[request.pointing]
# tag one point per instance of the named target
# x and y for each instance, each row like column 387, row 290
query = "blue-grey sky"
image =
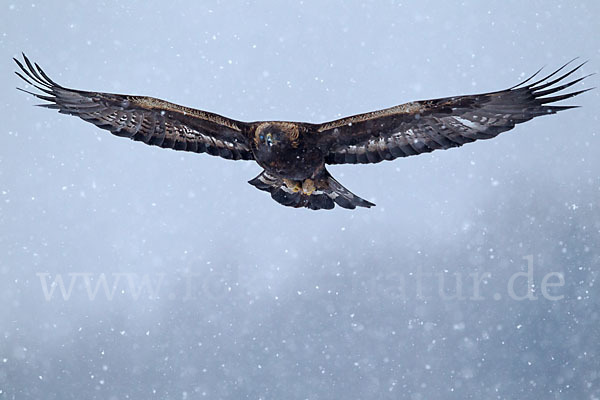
column 256, row 300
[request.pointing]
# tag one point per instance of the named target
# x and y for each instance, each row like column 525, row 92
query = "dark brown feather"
column 423, row 126
column 146, row 119
column 294, row 154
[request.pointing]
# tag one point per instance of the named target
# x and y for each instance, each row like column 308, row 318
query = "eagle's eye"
column 261, row 137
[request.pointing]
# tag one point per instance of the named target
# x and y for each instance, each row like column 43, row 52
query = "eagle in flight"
column 294, row 154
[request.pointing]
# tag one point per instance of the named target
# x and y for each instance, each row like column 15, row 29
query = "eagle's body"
column 294, row 154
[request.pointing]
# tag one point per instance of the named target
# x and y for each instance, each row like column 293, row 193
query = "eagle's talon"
column 294, row 186
column 308, row 186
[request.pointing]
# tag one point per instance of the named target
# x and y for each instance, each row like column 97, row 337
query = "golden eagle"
column 294, row 154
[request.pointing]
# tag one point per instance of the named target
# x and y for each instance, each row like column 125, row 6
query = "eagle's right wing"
column 424, row 126
column 152, row 121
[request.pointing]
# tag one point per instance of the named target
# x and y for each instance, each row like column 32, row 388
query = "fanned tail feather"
column 327, row 192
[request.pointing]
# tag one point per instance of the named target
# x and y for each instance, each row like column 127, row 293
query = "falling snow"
column 130, row 272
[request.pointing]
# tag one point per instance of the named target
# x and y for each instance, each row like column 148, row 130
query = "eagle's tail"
column 322, row 192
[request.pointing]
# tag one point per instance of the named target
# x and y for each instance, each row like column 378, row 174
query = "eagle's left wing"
column 152, row 121
column 423, row 126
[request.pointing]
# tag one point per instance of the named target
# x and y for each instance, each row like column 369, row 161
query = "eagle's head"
column 274, row 136
column 277, row 146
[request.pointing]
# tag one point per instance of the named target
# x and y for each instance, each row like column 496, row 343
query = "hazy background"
column 262, row 301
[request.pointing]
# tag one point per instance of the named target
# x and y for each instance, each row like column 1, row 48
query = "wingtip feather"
column 553, row 99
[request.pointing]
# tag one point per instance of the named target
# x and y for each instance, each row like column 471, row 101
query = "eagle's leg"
column 308, row 186
column 294, row 186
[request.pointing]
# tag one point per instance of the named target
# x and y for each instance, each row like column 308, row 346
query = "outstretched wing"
column 146, row 119
column 423, row 126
